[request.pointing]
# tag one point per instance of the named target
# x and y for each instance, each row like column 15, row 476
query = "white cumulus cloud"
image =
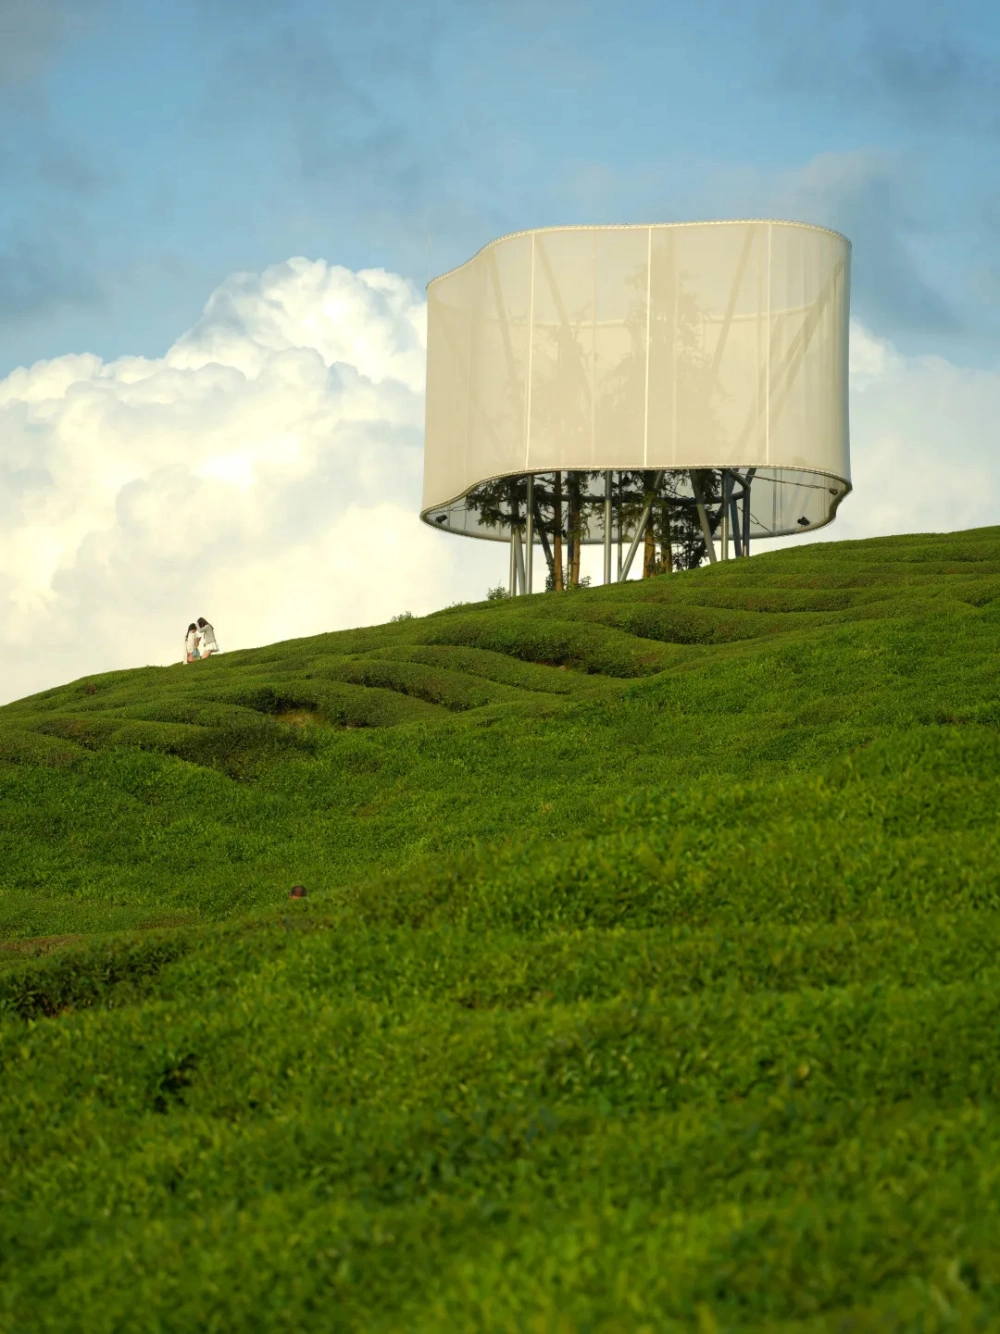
column 925, row 454
column 264, row 473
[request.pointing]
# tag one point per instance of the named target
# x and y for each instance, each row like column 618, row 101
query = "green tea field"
column 648, row 978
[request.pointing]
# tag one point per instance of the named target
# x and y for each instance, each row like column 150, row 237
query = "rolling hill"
column 647, row 978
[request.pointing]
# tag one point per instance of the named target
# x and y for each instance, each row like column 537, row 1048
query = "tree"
column 566, row 505
column 672, row 539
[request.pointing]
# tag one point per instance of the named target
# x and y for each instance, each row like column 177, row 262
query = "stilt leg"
column 519, row 563
column 529, row 538
column 607, row 527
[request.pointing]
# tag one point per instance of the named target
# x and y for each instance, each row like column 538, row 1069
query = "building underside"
column 656, row 521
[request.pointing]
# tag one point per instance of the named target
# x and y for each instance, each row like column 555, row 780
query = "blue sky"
column 149, row 150
column 211, row 402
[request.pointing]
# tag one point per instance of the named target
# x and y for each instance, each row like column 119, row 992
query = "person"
column 208, row 644
column 191, row 652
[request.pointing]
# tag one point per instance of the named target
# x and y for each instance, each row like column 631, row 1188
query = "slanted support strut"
column 706, row 530
column 640, row 531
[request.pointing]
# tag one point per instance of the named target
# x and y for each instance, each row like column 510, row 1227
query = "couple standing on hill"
column 200, row 641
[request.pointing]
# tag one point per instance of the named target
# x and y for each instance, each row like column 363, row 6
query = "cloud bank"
column 265, row 473
column 924, row 450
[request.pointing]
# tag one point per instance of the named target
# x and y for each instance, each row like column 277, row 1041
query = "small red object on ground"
column 297, row 892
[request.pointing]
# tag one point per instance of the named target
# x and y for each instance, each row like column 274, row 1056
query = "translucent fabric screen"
column 703, row 345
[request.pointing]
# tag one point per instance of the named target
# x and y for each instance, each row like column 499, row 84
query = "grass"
column 647, row 979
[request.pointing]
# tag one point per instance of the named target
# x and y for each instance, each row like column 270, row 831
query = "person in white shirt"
column 207, row 634
column 191, row 653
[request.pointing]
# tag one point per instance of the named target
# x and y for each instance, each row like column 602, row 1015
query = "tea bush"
column 647, row 980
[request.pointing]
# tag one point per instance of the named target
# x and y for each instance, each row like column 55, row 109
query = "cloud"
column 867, row 195
column 923, row 444
column 401, row 118
column 33, row 32
column 873, row 196
column 264, row 473
column 337, row 89
column 42, row 272
column 911, row 64
column 47, row 175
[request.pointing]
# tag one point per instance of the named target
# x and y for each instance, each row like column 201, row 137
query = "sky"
column 217, row 220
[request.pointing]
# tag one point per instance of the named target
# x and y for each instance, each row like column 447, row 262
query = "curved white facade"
column 678, row 346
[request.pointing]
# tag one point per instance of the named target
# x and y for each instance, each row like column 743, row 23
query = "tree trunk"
column 649, row 550
column 557, row 537
column 575, row 527
column 649, row 537
column 666, row 545
column 543, row 537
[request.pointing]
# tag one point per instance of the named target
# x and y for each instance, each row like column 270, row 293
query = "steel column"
column 529, row 537
column 519, row 560
column 734, row 515
column 619, row 527
column 607, row 527
column 746, row 510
